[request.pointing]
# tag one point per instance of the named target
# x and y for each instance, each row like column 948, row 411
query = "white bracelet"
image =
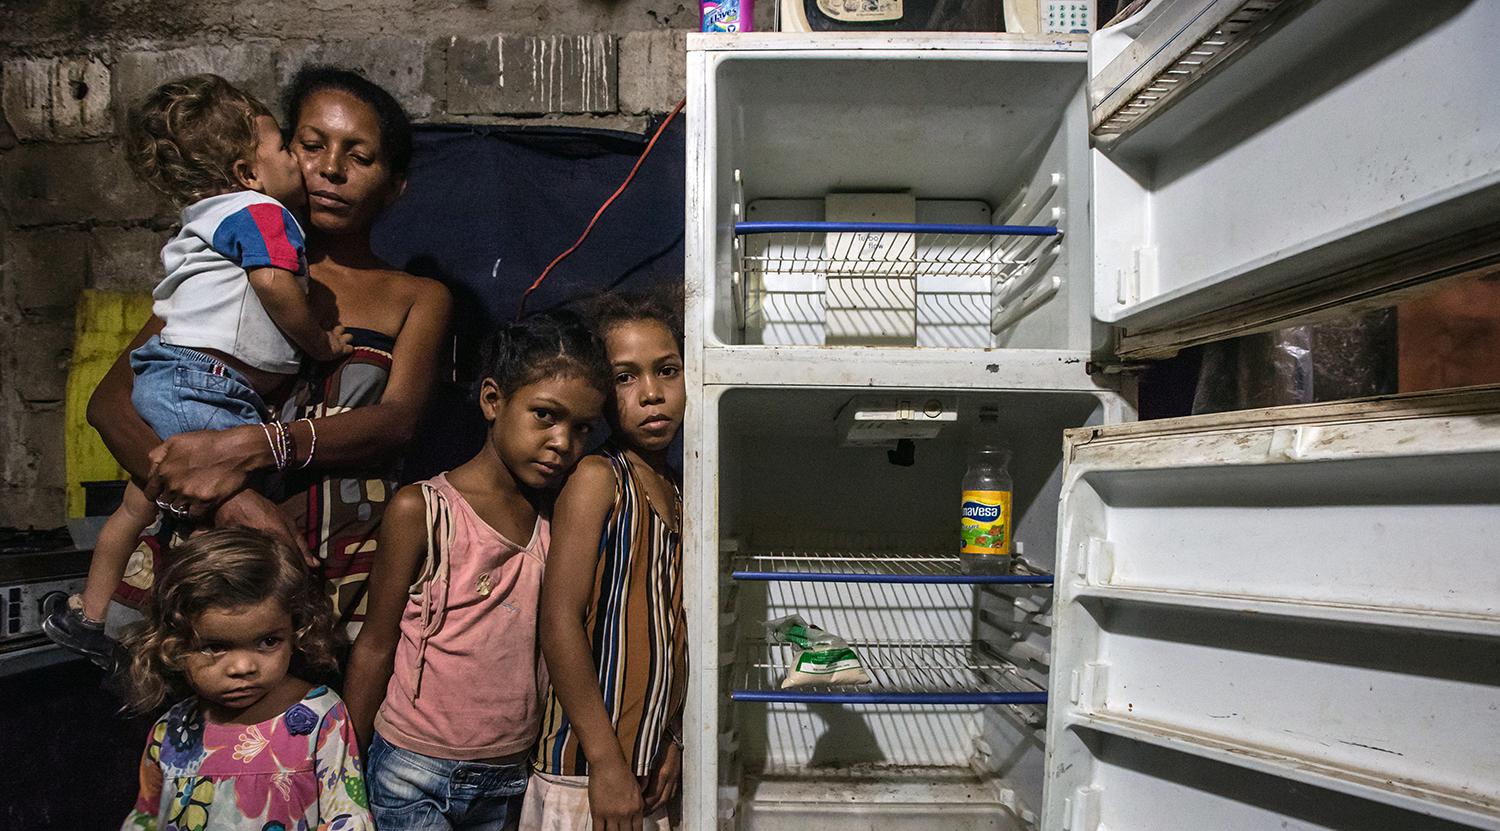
column 312, row 446
column 275, row 449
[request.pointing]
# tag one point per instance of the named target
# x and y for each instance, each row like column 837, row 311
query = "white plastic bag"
column 818, row 657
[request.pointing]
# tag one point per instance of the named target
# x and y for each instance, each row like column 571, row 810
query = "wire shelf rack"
column 901, row 672
column 855, row 567
column 894, row 249
column 890, row 276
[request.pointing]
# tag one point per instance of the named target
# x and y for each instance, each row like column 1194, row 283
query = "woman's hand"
column 615, row 798
column 251, row 510
column 195, row 472
column 663, row 786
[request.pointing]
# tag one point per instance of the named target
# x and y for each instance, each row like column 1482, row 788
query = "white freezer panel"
column 1356, row 131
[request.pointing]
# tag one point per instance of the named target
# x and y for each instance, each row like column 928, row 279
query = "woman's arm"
column 132, row 442
column 402, row 548
column 127, row 436
column 567, row 588
column 201, row 469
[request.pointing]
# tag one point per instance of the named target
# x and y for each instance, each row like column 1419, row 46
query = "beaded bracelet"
column 312, row 446
column 276, row 457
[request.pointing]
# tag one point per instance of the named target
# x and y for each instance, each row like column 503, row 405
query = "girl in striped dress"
column 611, row 622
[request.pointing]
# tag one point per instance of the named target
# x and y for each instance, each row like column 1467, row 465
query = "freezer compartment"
column 987, row 148
column 867, row 549
column 1312, row 600
column 1348, row 133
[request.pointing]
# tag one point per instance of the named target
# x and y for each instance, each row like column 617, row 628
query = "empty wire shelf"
column 901, row 672
column 854, row 567
column 879, row 280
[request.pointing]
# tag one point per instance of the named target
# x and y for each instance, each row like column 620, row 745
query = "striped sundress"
column 637, row 630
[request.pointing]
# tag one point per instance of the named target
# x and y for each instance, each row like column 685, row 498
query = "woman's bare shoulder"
column 413, row 288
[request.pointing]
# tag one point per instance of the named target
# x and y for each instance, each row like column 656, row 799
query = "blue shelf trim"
column 832, row 577
column 967, row 698
column 892, row 227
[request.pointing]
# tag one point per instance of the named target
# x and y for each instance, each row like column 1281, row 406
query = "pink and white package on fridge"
column 818, row 657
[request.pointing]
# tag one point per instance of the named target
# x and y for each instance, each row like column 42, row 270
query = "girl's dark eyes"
column 270, row 643
column 544, row 416
column 212, row 648
column 670, row 371
column 623, row 378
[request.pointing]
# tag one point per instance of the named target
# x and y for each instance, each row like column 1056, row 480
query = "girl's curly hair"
column 225, row 568
column 662, row 304
column 184, row 137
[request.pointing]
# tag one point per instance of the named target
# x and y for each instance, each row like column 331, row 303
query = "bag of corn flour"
column 818, row 657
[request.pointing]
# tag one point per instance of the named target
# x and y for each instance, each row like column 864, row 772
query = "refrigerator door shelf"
column 1285, row 615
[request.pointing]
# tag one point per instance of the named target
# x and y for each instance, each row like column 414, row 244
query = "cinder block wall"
column 72, row 217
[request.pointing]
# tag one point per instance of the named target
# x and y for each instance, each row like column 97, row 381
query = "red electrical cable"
column 521, row 311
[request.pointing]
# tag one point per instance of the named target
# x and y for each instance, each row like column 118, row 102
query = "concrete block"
column 42, row 446
column 251, row 67
column 519, row 75
column 32, row 507
column 43, row 347
column 63, row 99
column 80, row 99
column 409, row 68
column 125, row 260
column 28, row 97
column 653, row 70
column 46, row 267
column 57, row 183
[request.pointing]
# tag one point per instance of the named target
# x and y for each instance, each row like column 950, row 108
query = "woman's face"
column 349, row 180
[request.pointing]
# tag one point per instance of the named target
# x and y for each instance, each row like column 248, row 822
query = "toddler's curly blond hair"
column 184, row 137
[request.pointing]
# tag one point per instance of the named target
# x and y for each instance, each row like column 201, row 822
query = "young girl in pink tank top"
column 444, row 681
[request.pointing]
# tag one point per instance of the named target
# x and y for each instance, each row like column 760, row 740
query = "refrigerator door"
column 1280, row 619
column 1260, row 160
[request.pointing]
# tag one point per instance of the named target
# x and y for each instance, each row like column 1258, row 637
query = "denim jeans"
column 180, row 390
column 412, row 792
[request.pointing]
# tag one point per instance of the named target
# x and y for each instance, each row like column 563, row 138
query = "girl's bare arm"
column 403, row 547
column 567, row 589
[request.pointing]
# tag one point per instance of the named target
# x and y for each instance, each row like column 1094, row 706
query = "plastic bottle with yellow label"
column 985, row 519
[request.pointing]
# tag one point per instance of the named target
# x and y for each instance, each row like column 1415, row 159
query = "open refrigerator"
column 1275, row 619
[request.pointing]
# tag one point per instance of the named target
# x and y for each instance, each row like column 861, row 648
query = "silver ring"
column 162, row 504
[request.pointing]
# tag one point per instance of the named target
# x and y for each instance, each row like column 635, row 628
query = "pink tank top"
column 468, row 673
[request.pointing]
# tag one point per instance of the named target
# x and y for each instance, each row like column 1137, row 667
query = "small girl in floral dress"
column 257, row 748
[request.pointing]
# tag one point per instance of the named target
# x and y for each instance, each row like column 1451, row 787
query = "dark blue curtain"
column 487, row 208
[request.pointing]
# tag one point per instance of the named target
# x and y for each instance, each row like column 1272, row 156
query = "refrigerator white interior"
column 787, row 487
column 1266, row 627
column 977, row 136
column 1356, row 130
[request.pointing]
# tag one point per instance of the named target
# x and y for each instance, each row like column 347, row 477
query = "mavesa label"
column 986, row 523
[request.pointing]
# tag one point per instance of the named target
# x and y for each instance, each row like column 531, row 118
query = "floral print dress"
column 298, row 771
